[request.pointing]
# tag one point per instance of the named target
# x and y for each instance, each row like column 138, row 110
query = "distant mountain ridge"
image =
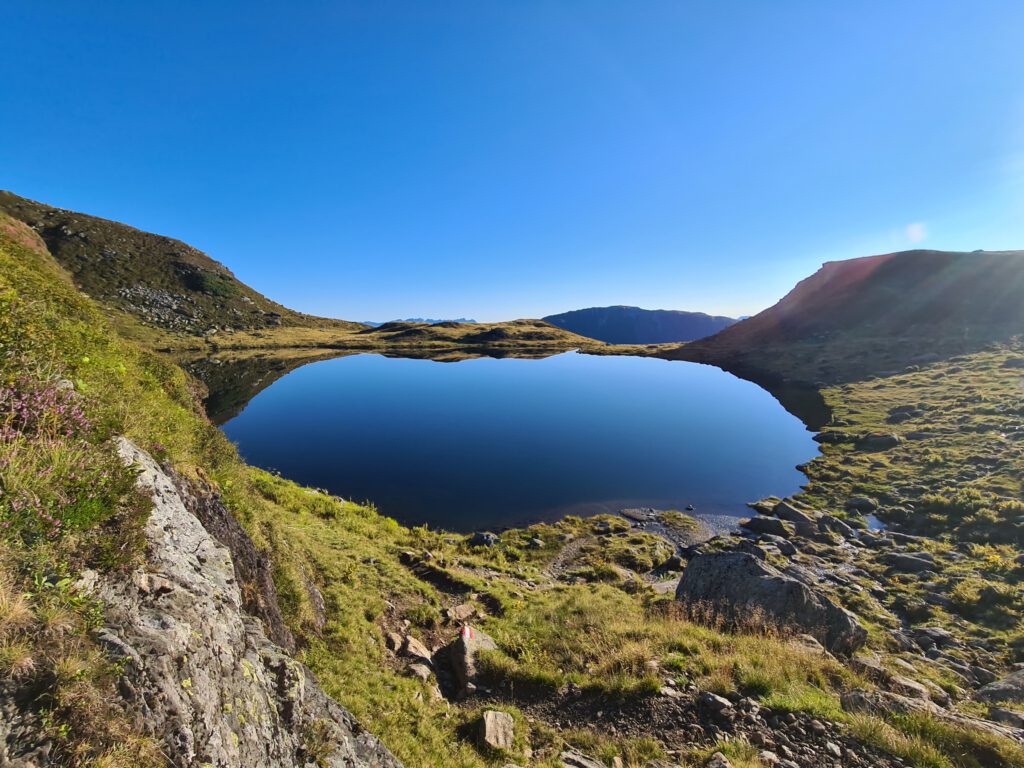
column 430, row 320
column 633, row 325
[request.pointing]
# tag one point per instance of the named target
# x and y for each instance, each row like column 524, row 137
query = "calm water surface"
column 492, row 443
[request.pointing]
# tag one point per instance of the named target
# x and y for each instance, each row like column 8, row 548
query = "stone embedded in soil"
column 464, row 649
column 497, row 730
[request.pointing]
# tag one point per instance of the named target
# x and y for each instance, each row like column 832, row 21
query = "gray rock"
column 714, row 702
column 862, row 504
column 786, row 510
column 464, row 650
column 1006, row 717
column 769, row 525
column 883, row 704
column 572, row 758
column 905, row 562
column 415, row 649
column 1009, row 688
column 199, row 674
column 497, row 730
column 830, row 524
column 420, row 670
column 877, row 441
column 737, row 583
column 483, row 539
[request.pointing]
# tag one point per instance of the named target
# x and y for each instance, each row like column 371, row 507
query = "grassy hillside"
column 587, row 642
column 160, row 281
column 877, row 314
column 633, row 325
column 167, row 295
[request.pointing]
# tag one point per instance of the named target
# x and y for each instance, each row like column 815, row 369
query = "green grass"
column 549, row 631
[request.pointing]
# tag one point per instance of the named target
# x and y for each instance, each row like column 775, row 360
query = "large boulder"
column 199, row 673
column 1009, row 688
column 738, row 584
column 772, row 526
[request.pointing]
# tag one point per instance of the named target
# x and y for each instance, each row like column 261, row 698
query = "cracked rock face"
column 199, row 673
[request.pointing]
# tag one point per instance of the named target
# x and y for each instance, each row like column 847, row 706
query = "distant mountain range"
column 633, row 325
column 430, row 320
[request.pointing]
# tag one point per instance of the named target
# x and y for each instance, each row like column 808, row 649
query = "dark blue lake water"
column 491, row 443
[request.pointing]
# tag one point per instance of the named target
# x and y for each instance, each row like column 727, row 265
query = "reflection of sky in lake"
column 490, row 443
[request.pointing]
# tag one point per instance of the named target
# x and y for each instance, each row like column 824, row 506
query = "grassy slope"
column 594, row 634
column 141, row 273
column 875, row 315
column 167, row 295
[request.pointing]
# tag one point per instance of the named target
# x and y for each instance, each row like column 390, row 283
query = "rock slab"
column 739, row 584
column 199, row 673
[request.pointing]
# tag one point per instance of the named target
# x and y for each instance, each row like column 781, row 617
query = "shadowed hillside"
column 873, row 315
column 633, row 325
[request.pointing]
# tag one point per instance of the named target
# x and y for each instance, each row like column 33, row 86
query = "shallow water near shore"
column 488, row 443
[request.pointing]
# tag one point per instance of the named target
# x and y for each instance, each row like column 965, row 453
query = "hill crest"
column 622, row 324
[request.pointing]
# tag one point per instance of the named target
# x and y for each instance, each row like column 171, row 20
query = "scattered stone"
column 714, row 702
column 786, row 510
column 862, row 504
column 1006, row 717
column 1010, row 688
column 497, row 730
column 905, row 562
column 766, row 505
column 830, row 524
column 461, row 613
column 769, row 525
column 877, row 441
column 420, row 670
column 718, row 760
column 417, row 650
column 483, row 539
column 572, row 758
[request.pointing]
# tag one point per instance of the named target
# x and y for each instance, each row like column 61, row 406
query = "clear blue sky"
column 379, row 159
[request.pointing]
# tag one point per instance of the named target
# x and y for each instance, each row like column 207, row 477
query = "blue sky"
column 373, row 160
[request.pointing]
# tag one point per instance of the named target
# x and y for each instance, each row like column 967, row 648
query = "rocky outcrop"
column 885, row 704
column 738, row 585
column 1009, row 688
column 199, row 673
column 252, row 567
column 23, row 740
